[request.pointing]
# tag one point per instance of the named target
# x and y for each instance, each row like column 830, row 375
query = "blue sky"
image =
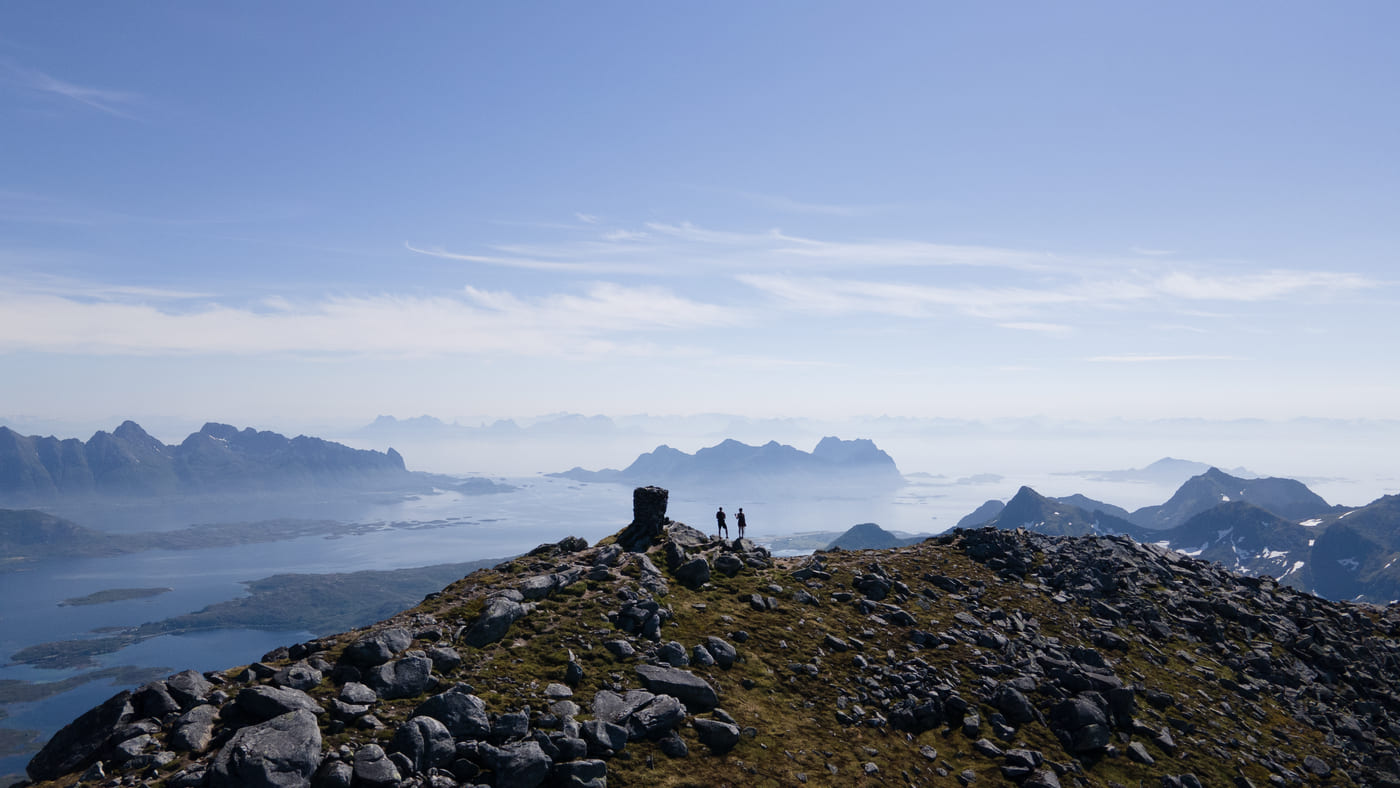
column 316, row 213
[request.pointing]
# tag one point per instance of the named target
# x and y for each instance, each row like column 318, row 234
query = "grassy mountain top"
column 983, row 657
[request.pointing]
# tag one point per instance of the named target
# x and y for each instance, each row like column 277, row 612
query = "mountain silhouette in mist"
column 129, row 462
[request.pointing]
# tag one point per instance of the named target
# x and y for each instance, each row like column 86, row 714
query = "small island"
column 113, row 595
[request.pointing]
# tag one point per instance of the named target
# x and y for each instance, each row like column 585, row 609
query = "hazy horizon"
column 1346, row 461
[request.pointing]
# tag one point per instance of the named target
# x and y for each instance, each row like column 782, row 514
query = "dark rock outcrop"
column 81, row 742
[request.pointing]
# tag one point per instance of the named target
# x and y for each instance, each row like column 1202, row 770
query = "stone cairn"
column 648, row 519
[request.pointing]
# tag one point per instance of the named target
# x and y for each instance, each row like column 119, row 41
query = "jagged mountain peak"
column 1286, row 498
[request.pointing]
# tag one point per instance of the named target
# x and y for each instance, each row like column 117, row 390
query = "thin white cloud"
column 1151, row 252
column 838, row 296
column 914, row 253
column 112, row 102
column 586, row 218
column 691, row 232
column 1153, row 359
column 575, row 266
column 67, row 287
column 1040, row 328
column 625, row 235
column 1266, row 286
column 606, row 318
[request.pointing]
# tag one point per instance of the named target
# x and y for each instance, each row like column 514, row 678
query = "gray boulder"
column 194, row 730
column 581, row 774
column 153, row 700
column 1080, row 725
column 134, row 747
column 403, row 678
column 603, row 737
column 261, row 703
column 425, row 741
column 724, row 654
column 729, row 564
column 720, row 737
column 620, row 649
column 188, row 688
column 494, row 621
column 663, row 713
column 518, row 765
column 334, row 774
column 510, row 726
column 298, row 675
column 1045, row 778
column 463, row 714
column 693, row 573
column 1013, row 705
column 612, row 707
column 280, row 753
column 673, row 654
column 537, row 587
column 1139, row 753
column 701, row 656
column 373, row 769
column 445, row 659
column 377, row 648
column 693, row 691
column 355, row 692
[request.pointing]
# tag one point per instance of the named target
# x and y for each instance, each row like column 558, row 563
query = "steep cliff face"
column 664, row 657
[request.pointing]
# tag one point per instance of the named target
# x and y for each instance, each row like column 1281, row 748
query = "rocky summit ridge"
column 661, row 656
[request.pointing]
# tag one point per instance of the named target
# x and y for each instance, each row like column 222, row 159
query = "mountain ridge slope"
column 663, row 657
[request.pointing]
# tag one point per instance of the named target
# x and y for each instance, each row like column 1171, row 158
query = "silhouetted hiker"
column 720, row 527
column 739, row 521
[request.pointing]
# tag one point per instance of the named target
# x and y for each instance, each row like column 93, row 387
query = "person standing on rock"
column 739, row 521
column 721, row 528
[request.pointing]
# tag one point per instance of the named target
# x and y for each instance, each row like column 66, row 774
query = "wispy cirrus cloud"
column 535, row 264
column 1263, row 286
column 846, row 296
column 118, row 103
column 1039, row 328
column 1157, row 359
column 604, row 318
column 1167, row 292
column 68, row 287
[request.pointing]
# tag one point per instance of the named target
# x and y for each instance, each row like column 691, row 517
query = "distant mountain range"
column 1167, row 470
column 1273, row 526
column 129, row 462
column 869, row 536
column 832, row 467
column 422, row 428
